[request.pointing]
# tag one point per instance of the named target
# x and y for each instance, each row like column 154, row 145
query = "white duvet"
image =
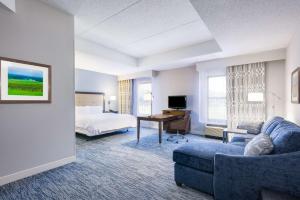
column 96, row 124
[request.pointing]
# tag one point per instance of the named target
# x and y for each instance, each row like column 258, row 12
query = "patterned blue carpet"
column 150, row 144
column 110, row 167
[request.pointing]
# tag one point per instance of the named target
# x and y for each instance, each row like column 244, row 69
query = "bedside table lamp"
column 111, row 98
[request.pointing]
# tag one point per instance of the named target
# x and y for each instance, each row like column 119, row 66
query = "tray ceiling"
column 161, row 34
column 136, row 27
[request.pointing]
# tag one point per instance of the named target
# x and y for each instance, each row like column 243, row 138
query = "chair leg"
column 177, row 137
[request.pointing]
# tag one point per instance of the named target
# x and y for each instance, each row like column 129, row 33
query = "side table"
column 234, row 131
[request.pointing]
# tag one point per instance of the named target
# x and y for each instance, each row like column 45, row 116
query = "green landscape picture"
column 25, row 82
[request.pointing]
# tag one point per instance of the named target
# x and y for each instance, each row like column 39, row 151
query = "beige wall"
column 34, row 135
column 292, row 62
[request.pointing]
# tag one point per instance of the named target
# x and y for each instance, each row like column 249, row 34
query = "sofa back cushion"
column 270, row 125
column 251, row 127
column 286, row 138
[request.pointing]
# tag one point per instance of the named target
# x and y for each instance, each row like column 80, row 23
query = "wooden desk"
column 160, row 118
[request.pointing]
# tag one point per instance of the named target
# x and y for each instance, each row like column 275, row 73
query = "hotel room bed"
column 91, row 120
column 101, row 123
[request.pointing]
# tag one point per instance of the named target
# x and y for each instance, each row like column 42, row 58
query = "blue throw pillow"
column 270, row 125
column 286, row 137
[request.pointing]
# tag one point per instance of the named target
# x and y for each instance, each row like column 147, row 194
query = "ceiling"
column 10, row 4
column 136, row 27
column 243, row 26
column 163, row 34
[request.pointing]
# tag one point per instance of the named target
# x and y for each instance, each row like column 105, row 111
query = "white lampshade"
column 112, row 98
column 255, row 97
column 147, row 97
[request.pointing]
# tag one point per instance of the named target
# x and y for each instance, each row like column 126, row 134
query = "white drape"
column 241, row 80
column 125, row 96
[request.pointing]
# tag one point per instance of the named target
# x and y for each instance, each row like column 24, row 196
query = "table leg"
column 160, row 131
column 138, row 130
column 225, row 137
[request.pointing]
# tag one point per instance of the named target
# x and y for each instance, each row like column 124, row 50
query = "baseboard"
column 35, row 170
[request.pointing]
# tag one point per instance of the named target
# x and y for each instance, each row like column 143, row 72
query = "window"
column 217, row 99
column 144, row 102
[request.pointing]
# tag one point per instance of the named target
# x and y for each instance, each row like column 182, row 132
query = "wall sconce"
column 112, row 98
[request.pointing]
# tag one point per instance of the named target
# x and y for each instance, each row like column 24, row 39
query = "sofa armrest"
column 243, row 177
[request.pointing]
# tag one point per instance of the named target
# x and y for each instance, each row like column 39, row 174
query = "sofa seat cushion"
column 286, row 138
column 271, row 124
column 201, row 155
column 240, row 141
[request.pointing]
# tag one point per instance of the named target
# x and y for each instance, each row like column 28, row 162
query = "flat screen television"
column 177, row 102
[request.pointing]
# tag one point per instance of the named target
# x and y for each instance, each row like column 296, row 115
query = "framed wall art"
column 24, row 82
column 295, row 89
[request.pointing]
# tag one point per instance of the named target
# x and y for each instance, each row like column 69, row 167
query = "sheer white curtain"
column 242, row 80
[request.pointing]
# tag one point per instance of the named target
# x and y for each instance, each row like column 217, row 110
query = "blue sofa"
column 223, row 171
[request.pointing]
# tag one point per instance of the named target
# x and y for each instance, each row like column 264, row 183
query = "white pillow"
column 88, row 110
column 259, row 145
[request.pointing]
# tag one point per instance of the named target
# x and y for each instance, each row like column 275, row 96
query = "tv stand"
column 181, row 124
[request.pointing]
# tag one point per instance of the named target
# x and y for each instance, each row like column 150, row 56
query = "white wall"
column 292, row 62
column 89, row 81
column 172, row 58
column 138, row 75
column 275, row 88
column 35, row 135
column 183, row 81
column 279, row 54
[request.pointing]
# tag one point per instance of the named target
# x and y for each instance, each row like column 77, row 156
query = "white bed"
column 97, row 124
column 92, row 121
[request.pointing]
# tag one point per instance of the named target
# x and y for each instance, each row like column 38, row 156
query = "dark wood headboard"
column 90, row 99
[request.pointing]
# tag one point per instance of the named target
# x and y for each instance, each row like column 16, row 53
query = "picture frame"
column 295, row 83
column 24, row 82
